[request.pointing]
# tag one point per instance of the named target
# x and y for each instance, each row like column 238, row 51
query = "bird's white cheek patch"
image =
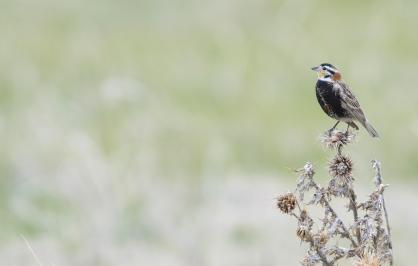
column 326, row 79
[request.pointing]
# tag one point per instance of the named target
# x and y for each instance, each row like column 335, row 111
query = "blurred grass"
column 238, row 71
column 192, row 90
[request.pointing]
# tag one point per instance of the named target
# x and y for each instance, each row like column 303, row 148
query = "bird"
column 337, row 100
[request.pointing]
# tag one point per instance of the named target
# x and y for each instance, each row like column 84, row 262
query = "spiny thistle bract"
column 368, row 234
column 335, row 139
column 340, row 169
column 341, row 166
column 286, row 203
column 368, row 260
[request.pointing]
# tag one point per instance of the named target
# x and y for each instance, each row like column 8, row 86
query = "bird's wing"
column 350, row 103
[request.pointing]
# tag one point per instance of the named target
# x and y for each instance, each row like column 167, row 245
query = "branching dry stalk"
column 369, row 239
column 378, row 183
column 353, row 207
column 345, row 233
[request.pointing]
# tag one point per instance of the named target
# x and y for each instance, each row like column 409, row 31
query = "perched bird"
column 337, row 100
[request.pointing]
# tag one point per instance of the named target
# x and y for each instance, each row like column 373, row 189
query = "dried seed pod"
column 286, row 203
column 323, row 238
column 305, row 219
column 368, row 239
column 335, row 139
column 340, row 169
column 341, row 166
column 305, row 224
column 303, row 233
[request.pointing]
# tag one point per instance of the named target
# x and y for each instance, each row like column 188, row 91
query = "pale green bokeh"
column 102, row 100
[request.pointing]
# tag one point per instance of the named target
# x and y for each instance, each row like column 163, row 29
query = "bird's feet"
column 332, row 129
column 347, row 132
column 334, row 138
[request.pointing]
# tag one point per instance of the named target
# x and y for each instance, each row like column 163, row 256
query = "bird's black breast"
column 329, row 99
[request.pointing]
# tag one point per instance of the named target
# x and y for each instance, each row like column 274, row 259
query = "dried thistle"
column 305, row 224
column 335, row 139
column 311, row 258
column 286, row 203
column 305, row 179
column 303, row 233
column 340, row 169
column 368, row 260
column 373, row 205
column 341, row 166
column 368, row 235
column 321, row 238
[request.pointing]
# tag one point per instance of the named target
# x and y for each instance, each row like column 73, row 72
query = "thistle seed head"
column 286, row 203
column 335, row 139
column 305, row 224
column 303, row 233
column 341, row 166
column 340, row 169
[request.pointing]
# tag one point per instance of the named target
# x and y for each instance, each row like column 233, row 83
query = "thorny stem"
column 378, row 233
column 353, row 206
column 318, row 251
column 358, row 248
column 294, row 215
column 339, row 149
column 346, row 232
column 336, row 259
column 320, row 254
column 376, row 166
column 297, row 204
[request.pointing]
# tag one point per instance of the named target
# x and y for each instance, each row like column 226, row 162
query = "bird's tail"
column 370, row 129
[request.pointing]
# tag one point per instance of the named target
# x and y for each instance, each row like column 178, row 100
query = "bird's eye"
column 323, row 68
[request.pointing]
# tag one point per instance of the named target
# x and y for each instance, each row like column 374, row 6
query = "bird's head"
column 327, row 72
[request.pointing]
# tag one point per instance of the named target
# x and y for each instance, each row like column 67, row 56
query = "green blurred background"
column 158, row 132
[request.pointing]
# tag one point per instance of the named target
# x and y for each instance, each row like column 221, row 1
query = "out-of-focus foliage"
column 121, row 121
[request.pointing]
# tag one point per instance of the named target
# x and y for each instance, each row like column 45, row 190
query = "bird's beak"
column 317, row 68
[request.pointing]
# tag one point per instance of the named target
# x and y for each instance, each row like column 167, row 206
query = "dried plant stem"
column 378, row 180
column 346, row 232
column 353, row 207
column 320, row 254
column 339, row 150
column 369, row 242
column 313, row 246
